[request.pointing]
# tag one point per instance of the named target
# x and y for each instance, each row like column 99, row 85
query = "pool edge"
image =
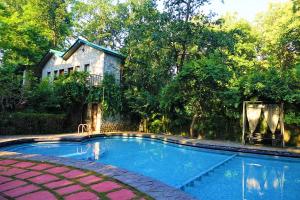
column 165, row 138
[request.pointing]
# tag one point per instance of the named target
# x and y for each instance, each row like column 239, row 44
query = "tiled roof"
column 57, row 53
column 80, row 42
column 65, row 55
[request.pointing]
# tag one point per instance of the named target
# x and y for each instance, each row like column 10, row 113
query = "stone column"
column 88, row 117
column 98, row 119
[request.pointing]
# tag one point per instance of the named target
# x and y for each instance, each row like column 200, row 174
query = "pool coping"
column 149, row 186
column 233, row 147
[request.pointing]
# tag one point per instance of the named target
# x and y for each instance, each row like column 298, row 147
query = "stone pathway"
column 30, row 180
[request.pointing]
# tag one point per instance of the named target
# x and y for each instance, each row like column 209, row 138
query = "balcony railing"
column 94, row 80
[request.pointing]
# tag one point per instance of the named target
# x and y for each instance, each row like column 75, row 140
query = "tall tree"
column 149, row 64
column 30, row 28
column 182, row 27
column 102, row 21
column 55, row 17
column 280, row 33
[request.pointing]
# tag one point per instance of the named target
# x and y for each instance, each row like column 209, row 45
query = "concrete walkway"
column 32, row 180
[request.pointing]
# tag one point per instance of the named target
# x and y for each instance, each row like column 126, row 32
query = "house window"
column 61, row 72
column 70, row 70
column 48, row 74
column 77, row 68
column 87, row 67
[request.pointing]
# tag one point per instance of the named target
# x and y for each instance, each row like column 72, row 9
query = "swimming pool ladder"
column 83, row 128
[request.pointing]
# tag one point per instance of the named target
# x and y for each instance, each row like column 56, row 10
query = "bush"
column 31, row 123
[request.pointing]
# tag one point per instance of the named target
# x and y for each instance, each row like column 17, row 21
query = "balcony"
column 94, row 80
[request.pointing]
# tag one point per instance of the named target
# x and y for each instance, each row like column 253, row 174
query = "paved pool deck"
column 32, row 180
column 23, row 176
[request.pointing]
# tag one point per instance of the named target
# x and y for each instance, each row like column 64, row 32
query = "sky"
column 246, row 9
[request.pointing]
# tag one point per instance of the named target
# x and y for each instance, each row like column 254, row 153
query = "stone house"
column 82, row 56
column 89, row 57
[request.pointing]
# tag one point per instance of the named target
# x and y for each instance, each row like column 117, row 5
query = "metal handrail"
column 83, row 127
column 94, row 79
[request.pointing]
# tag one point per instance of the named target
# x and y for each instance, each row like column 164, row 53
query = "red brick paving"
column 77, row 184
column 123, row 194
column 74, row 174
column 2, row 198
column 41, row 195
column 3, row 168
column 58, row 184
column 41, row 166
column 24, row 164
column 45, row 178
column 7, row 162
column 11, row 185
column 58, row 170
column 69, row 189
column 27, row 175
column 4, row 179
column 82, row 196
column 89, row 179
column 13, row 171
column 105, row 186
column 22, row 190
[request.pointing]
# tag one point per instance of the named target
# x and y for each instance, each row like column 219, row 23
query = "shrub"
column 31, row 123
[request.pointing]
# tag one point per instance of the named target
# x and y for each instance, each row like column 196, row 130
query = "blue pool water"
column 204, row 174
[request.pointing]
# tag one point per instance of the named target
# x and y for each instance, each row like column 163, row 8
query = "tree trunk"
column 195, row 117
column 184, row 45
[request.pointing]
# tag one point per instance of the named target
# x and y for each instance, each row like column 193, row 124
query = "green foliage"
column 71, row 91
column 279, row 34
column 266, row 84
column 109, row 95
column 198, row 89
column 29, row 28
column 184, row 71
column 11, row 92
column 31, row 123
column 42, row 98
column 62, row 95
column 292, row 118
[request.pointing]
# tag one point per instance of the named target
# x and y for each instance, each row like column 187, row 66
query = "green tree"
column 198, row 89
column 279, row 31
column 149, row 64
column 11, row 92
column 186, row 22
column 102, row 21
column 109, row 95
column 30, row 28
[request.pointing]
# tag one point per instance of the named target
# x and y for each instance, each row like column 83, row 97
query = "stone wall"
column 84, row 55
column 110, row 126
column 112, row 65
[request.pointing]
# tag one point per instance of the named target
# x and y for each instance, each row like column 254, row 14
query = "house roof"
column 48, row 55
column 80, row 42
column 57, row 53
column 67, row 54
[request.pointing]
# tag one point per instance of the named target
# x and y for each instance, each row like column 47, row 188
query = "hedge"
column 31, row 123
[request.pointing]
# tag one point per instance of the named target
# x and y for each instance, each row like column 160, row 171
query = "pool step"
column 216, row 185
column 191, row 181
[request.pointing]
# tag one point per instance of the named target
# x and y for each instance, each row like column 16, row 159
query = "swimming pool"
column 205, row 174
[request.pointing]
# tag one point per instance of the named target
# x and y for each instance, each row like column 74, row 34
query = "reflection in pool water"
column 242, row 176
column 249, row 177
